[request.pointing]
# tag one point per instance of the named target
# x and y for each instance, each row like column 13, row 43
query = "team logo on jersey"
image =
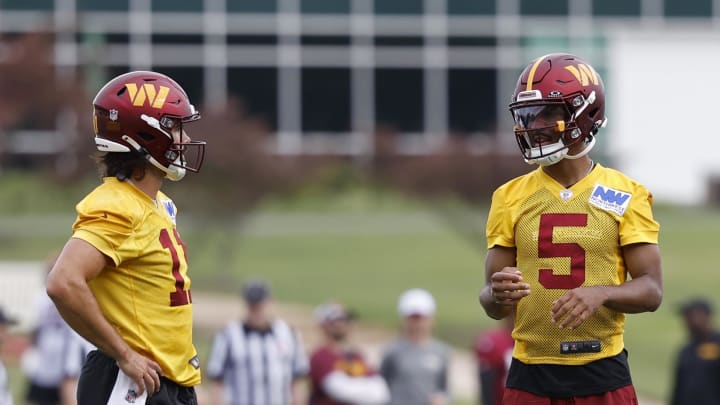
column 609, row 199
column 131, row 396
column 170, row 208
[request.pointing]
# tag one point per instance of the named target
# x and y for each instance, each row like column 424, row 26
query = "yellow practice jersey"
column 569, row 238
column 146, row 294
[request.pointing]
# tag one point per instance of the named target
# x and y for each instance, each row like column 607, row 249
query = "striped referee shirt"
column 257, row 367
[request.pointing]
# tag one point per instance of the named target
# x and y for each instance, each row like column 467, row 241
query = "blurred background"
column 353, row 144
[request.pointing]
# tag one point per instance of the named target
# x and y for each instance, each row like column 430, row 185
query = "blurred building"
column 326, row 74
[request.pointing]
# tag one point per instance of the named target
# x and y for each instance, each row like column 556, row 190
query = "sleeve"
column 499, row 229
column 219, row 356
column 300, row 366
column 106, row 226
column 637, row 224
column 366, row 390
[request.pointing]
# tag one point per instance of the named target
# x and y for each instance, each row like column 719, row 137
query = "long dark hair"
column 123, row 165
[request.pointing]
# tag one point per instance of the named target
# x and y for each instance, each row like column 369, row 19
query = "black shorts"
column 39, row 395
column 100, row 374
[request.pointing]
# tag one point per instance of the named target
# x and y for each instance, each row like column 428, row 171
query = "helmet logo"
column 113, row 114
column 148, row 92
column 584, row 74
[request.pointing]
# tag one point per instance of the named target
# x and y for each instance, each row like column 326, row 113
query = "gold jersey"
column 146, row 294
column 569, row 238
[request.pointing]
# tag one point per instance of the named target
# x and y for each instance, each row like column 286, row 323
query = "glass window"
column 471, row 100
column 616, row 7
column 252, row 6
column 547, row 7
column 684, row 8
column 178, row 39
column 398, row 6
column 251, row 39
column 102, row 5
column 471, row 41
column 326, row 100
column 393, row 40
column 325, row 6
column 466, row 7
column 175, row 6
column 342, row 40
column 28, row 4
column 399, row 99
column 257, row 89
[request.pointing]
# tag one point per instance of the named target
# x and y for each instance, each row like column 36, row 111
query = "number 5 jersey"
column 567, row 238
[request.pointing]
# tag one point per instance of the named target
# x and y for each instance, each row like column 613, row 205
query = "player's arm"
column 642, row 293
column 504, row 283
column 67, row 286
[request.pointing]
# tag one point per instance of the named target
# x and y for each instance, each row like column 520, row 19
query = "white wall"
column 663, row 92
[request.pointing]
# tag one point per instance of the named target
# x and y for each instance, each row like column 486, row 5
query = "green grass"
column 365, row 248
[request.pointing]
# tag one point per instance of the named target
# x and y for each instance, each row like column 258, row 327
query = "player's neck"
column 567, row 172
column 149, row 184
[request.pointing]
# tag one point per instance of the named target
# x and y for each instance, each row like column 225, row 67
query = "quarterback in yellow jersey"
column 122, row 279
column 572, row 246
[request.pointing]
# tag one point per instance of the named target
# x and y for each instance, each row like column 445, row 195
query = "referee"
column 259, row 360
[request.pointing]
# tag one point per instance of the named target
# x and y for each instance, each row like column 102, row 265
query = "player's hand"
column 507, row 287
column 575, row 306
column 143, row 371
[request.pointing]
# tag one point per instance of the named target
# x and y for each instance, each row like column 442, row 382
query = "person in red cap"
column 339, row 373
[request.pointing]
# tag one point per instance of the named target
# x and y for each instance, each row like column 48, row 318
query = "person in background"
column 493, row 353
column 339, row 373
column 697, row 367
column 76, row 351
column 259, row 360
column 416, row 364
column 5, row 394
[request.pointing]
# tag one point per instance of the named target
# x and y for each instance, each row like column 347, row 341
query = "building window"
column 398, row 6
column 471, row 100
column 252, row 6
column 465, row 7
column 613, row 8
column 99, row 5
column 325, row 6
column 325, row 100
column 684, row 8
column 399, row 99
column 544, row 8
column 188, row 6
column 256, row 89
column 45, row 5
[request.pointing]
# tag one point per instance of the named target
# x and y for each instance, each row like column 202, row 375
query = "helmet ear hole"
column 146, row 137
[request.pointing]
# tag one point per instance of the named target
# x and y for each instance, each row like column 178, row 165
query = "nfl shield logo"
column 113, row 114
column 131, row 396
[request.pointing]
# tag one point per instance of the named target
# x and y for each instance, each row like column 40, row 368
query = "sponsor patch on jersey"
column 170, row 208
column 609, row 199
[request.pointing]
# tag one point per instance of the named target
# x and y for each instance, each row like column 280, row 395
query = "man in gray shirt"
column 416, row 364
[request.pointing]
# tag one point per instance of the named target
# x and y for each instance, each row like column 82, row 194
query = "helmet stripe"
column 531, row 75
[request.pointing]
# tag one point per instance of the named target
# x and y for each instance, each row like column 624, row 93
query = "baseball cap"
column 700, row 304
column 255, row 291
column 333, row 311
column 416, row 302
column 5, row 319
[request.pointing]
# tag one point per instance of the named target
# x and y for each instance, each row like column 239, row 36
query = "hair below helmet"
column 558, row 102
column 140, row 111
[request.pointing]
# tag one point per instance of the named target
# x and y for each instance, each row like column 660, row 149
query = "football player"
column 121, row 280
column 572, row 245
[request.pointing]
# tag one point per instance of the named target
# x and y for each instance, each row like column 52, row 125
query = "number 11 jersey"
column 146, row 293
column 567, row 238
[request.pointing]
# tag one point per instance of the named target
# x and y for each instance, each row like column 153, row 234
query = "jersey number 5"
column 179, row 296
column 548, row 249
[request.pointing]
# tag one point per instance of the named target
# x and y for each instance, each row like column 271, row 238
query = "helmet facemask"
column 544, row 132
column 180, row 156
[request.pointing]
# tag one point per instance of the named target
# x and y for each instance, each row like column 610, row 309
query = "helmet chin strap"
column 583, row 152
column 173, row 173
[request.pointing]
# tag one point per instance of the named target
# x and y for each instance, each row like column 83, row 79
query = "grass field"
column 365, row 253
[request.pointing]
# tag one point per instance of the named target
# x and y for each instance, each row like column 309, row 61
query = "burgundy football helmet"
column 138, row 111
column 559, row 101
